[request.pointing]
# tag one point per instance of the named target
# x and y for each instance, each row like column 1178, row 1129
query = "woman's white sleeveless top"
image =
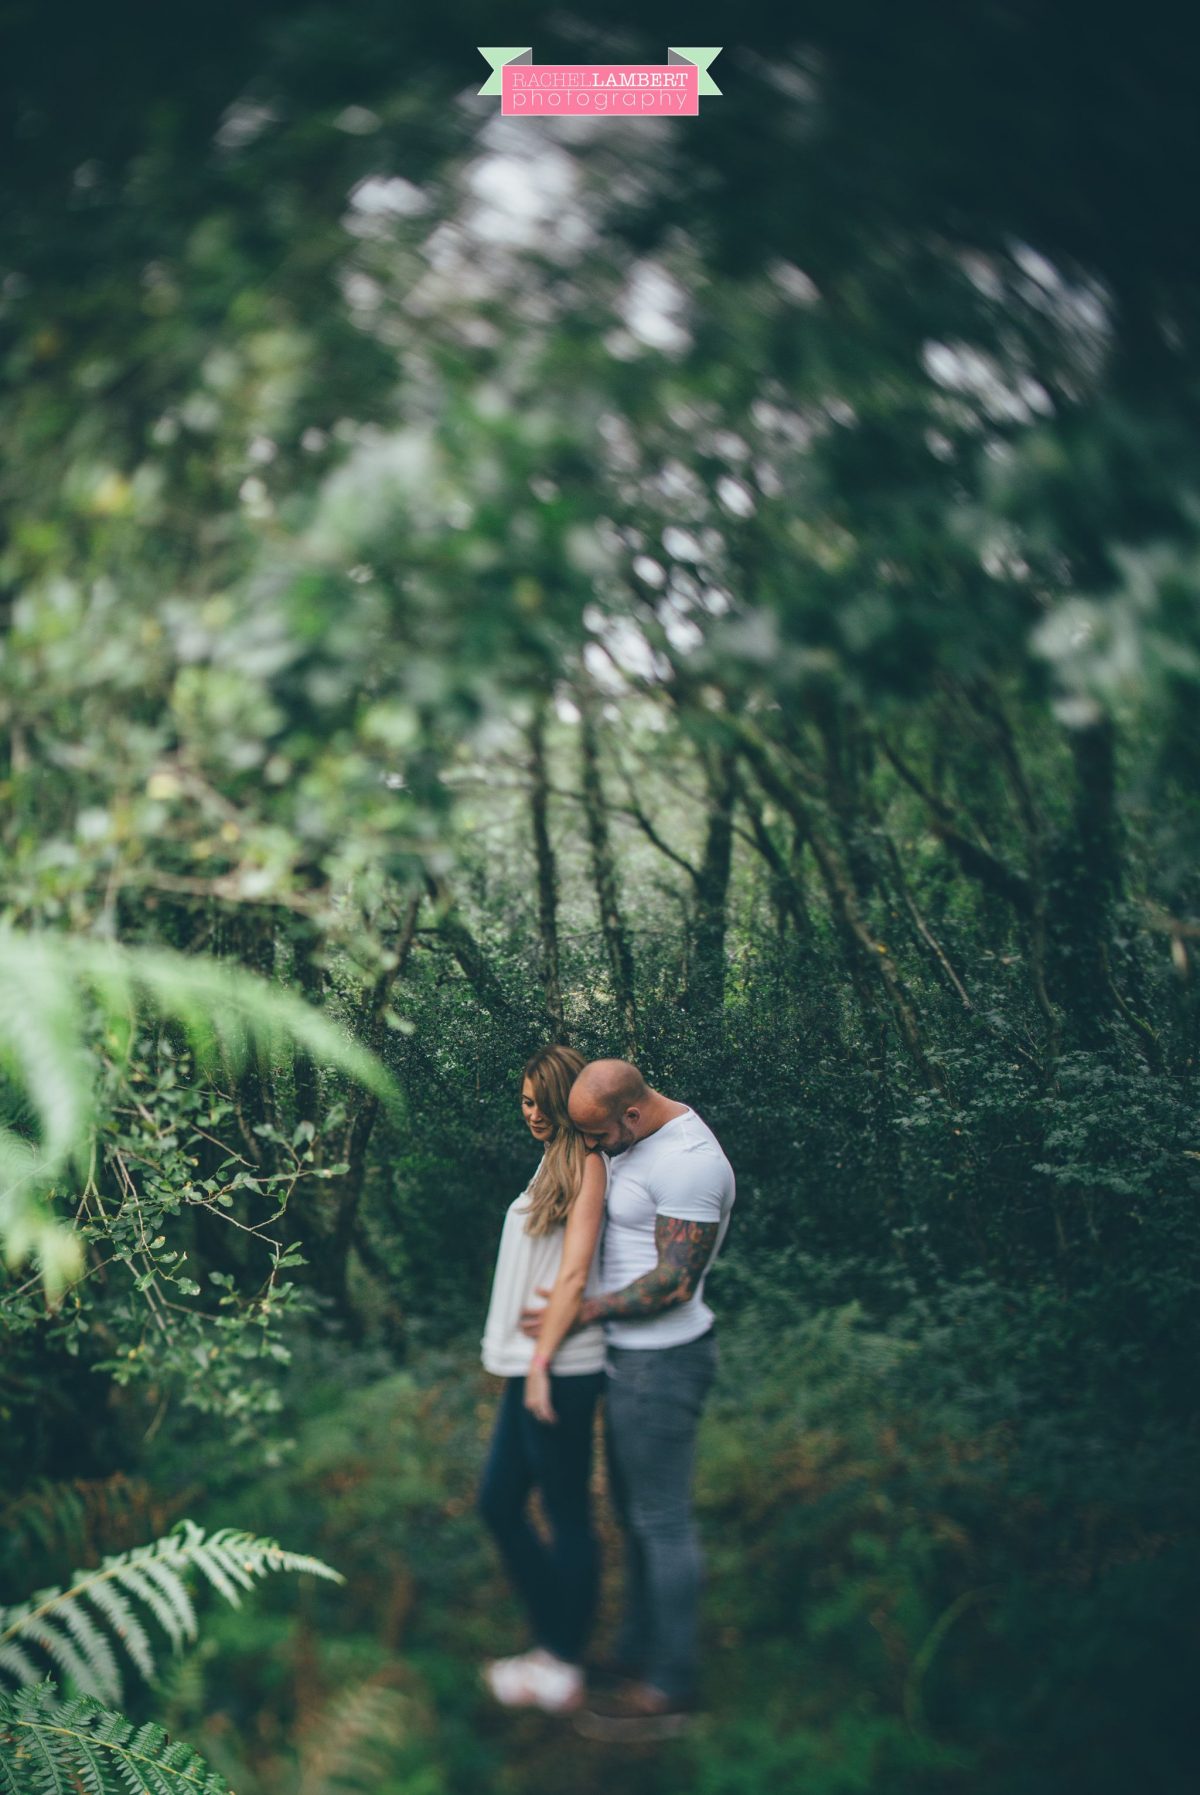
column 525, row 1263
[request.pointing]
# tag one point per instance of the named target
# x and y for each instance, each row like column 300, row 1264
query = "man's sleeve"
column 691, row 1187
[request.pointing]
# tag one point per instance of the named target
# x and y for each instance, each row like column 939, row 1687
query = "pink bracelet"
column 541, row 1362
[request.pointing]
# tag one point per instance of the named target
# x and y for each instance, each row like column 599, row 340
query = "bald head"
column 606, row 1103
column 611, row 1085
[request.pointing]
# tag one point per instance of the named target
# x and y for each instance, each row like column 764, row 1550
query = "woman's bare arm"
column 579, row 1246
column 558, row 1317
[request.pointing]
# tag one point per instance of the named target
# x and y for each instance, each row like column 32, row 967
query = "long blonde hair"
column 555, row 1184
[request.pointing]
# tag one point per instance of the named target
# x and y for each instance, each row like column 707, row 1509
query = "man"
column 670, row 1193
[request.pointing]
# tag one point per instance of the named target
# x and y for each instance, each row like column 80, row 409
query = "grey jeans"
column 652, row 1412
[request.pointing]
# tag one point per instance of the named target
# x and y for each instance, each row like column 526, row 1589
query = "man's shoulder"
column 692, row 1135
column 685, row 1148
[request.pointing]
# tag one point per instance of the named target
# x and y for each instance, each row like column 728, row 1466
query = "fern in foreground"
column 51, row 1747
column 76, row 1628
column 48, row 985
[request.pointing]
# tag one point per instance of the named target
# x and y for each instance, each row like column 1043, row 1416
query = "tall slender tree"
column 613, row 928
column 547, row 878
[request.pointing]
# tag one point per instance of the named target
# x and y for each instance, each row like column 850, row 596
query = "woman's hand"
column 537, row 1394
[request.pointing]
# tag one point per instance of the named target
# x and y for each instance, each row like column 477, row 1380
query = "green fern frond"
column 166, row 1597
column 109, row 1598
column 55, row 1641
column 18, row 1664
column 51, row 1747
column 98, row 1660
column 351, row 1745
column 47, row 984
column 72, row 1626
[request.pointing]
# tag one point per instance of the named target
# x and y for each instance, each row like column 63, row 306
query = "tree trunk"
column 706, row 986
column 1085, row 882
column 786, row 883
column 310, row 976
column 547, row 880
column 604, row 875
column 841, row 741
column 345, row 1195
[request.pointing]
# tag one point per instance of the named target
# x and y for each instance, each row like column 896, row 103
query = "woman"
column 543, row 1434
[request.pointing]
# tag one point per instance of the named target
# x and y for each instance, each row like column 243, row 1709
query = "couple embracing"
column 614, row 1234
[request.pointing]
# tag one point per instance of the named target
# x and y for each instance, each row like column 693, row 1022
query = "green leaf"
column 46, row 983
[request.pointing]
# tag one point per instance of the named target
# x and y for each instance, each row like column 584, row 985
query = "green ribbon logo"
column 701, row 58
column 497, row 58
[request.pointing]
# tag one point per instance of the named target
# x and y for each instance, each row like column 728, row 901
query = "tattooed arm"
column 684, row 1249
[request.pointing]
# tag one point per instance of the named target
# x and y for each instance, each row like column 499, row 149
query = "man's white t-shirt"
column 679, row 1171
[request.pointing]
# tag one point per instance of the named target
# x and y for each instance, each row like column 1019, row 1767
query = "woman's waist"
column 513, row 1350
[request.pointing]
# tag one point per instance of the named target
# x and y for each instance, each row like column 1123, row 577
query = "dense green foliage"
column 723, row 591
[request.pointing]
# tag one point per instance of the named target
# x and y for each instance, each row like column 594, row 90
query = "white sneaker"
column 537, row 1679
column 505, row 1677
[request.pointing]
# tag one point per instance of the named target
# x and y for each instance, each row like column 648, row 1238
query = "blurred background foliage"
column 720, row 590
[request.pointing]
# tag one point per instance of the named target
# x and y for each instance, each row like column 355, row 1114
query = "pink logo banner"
column 576, row 90
column 670, row 89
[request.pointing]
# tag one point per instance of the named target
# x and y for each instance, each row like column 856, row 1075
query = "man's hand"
column 531, row 1319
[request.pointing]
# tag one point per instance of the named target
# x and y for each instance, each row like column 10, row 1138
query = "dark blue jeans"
column 557, row 1583
column 652, row 1411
